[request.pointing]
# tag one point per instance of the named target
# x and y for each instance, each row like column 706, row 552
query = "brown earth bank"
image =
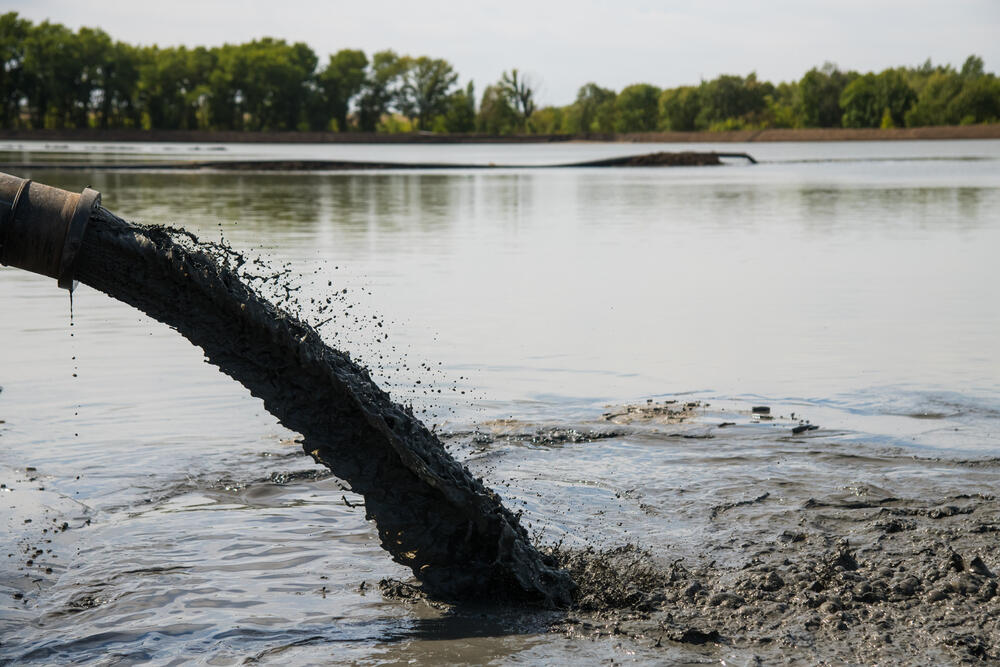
column 991, row 131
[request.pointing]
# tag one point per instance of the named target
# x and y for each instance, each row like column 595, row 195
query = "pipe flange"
column 85, row 205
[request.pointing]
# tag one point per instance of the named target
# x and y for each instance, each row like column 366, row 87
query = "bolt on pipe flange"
column 42, row 228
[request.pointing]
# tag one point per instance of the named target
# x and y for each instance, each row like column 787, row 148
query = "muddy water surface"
column 172, row 518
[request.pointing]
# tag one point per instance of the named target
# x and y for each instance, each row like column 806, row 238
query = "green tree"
column 380, row 88
column 978, row 102
column 887, row 122
column 679, row 108
column 201, row 63
column 547, row 120
column 460, row 111
column 783, row 106
column 520, row 92
column 593, row 111
column 896, row 95
column 94, row 54
column 739, row 100
column 932, row 104
column 637, row 108
column 117, row 103
column 51, row 75
column 226, row 99
column 496, row 115
column 276, row 82
column 426, row 84
column 54, row 77
column 866, row 100
column 339, row 82
column 973, row 67
column 819, row 95
column 13, row 84
column 860, row 102
column 266, row 84
column 166, row 83
column 918, row 77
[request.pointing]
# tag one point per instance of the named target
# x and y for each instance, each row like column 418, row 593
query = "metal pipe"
column 41, row 227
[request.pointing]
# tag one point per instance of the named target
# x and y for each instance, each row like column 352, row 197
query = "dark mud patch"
column 431, row 513
column 841, row 584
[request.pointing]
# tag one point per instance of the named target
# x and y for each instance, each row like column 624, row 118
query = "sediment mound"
column 909, row 583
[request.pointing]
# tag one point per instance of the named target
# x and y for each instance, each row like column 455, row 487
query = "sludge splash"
column 431, row 514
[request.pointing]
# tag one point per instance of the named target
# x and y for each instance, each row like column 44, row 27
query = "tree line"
column 54, row 77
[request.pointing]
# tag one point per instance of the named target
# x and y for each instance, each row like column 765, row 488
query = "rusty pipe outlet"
column 41, row 227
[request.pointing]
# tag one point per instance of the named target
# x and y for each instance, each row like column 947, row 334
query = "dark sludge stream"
column 432, row 515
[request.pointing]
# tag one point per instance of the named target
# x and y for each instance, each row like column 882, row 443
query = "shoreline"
column 958, row 132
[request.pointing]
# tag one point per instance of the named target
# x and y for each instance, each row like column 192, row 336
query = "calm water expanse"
column 854, row 284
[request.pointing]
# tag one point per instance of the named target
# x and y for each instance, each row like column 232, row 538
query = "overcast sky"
column 566, row 43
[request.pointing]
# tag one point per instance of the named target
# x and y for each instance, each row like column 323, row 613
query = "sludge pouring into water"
column 431, row 514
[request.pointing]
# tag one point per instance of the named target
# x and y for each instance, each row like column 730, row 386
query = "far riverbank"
column 737, row 136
